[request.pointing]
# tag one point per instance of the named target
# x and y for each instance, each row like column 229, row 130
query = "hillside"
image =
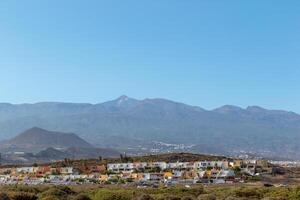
column 51, row 154
column 168, row 157
column 35, row 139
column 172, row 157
column 139, row 125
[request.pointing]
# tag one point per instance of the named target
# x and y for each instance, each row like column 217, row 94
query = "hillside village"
column 142, row 174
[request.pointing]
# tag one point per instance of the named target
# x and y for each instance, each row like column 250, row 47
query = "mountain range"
column 127, row 123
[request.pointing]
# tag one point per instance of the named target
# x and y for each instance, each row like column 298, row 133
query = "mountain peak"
column 122, row 99
column 228, row 108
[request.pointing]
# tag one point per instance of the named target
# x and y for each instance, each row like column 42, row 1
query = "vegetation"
column 213, row 192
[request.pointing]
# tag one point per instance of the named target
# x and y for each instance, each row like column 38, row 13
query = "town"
column 141, row 174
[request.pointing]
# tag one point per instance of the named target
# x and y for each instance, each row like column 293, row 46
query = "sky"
column 201, row 52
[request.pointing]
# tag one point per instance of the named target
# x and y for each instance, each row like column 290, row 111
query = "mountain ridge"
column 122, row 97
column 251, row 129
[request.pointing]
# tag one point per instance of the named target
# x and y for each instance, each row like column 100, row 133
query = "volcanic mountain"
column 36, row 139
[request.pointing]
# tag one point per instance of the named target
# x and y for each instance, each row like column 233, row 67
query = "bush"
column 249, row 192
column 182, row 191
column 24, row 196
column 4, row 196
column 59, row 192
column 207, row 197
column 50, row 198
column 115, row 197
column 26, row 189
column 81, row 197
column 144, row 197
column 173, row 198
column 107, row 194
column 231, row 198
column 188, row 198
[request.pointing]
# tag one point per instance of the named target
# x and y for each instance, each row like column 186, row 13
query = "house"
column 179, row 165
column 236, row 163
column 177, row 174
column 201, row 165
column 118, row 167
column 43, row 170
column 202, row 175
column 140, row 165
column 168, row 175
column 126, row 175
column 26, row 170
column 66, row 170
column 153, row 177
column 156, row 176
column 103, row 178
column 189, row 175
column 222, row 176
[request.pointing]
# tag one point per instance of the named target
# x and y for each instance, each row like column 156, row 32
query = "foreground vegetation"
column 44, row 192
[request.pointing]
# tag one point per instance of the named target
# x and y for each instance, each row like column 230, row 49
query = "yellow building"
column 103, row 178
column 168, row 175
column 237, row 163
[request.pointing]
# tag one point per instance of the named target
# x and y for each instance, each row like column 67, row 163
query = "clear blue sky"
column 201, row 52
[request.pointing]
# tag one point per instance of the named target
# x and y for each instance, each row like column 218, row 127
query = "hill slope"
column 36, row 139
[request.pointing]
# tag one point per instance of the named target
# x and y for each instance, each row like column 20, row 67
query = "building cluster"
column 142, row 173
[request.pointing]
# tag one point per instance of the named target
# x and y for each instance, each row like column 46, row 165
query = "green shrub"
column 24, row 196
column 118, row 194
column 59, row 192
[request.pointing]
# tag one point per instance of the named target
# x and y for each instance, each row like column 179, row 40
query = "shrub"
column 81, row 197
column 173, row 198
column 207, row 197
column 107, row 194
column 59, row 192
column 249, row 192
column 144, row 197
column 49, row 198
column 4, row 196
column 188, row 198
column 231, row 198
column 24, row 196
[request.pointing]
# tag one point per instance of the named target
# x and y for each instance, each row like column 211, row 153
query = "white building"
column 118, row 167
column 26, row 170
column 205, row 164
column 66, row 170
